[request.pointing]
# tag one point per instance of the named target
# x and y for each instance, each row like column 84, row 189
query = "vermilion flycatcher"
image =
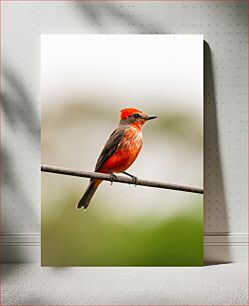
column 120, row 150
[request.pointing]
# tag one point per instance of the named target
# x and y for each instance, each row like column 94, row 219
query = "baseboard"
column 218, row 247
column 225, row 247
column 20, row 247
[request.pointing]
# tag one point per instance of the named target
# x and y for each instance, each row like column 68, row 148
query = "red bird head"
column 134, row 117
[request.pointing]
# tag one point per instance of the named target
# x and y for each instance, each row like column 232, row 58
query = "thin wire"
column 120, row 179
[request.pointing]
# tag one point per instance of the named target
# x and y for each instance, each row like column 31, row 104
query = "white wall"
column 224, row 25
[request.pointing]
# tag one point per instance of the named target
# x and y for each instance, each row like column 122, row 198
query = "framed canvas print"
column 128, row 106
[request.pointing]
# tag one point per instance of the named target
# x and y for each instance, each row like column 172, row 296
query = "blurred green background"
column 93, row 239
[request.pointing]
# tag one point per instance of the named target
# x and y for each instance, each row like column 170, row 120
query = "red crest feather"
column 126, row 112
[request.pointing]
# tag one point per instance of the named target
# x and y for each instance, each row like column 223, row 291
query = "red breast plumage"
column 120, row 150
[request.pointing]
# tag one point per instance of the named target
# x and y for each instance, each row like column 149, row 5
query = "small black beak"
column 151, row 117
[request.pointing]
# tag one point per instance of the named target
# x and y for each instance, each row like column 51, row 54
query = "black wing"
column 110, row 146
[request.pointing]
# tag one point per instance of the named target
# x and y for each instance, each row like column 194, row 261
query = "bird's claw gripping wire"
column 134, row 178
column 113, row 177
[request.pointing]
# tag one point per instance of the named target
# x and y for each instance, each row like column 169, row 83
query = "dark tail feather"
column 85, row 200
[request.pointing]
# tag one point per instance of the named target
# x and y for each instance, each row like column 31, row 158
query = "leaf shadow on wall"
column 21, row 120
column 96, row 13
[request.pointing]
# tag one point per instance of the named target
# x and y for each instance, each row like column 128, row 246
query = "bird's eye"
column 136, row 115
